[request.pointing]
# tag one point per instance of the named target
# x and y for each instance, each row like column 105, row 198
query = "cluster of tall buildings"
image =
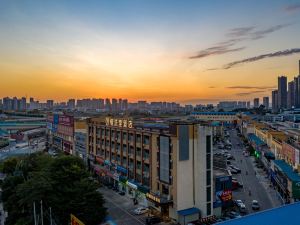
column 16, row 104
column 229, row 105
column 287, row 95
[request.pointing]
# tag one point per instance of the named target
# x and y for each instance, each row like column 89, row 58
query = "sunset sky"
column 188, row 51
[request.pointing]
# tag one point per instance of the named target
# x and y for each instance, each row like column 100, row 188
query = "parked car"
column 238, row 202
column 234, row 215
column 233, row 171
column 152, row 220
column 140, row 210
column 242, row 208
column 255, row 205
column 121, row 193
column 235, row 168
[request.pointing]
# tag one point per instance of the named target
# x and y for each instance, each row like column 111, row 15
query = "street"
column 255, row 181
column 120, row 208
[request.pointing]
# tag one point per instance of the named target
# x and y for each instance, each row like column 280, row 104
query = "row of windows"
column 117, row 135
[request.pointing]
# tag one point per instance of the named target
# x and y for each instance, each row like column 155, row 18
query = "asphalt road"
column 255, row 181
column 120, row 208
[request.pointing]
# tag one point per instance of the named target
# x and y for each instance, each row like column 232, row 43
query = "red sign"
column 66, row 120
column 226, row 195
column 99, row 160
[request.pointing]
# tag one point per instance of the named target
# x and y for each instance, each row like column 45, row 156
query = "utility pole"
column 42, row 217
column 34, row 214
column 50, row 216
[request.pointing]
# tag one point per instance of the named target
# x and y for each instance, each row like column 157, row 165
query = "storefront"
column 159, row 205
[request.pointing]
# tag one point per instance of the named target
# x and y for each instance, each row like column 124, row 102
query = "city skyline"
column 155, row 51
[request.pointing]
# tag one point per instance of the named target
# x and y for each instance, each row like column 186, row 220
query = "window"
column 208, row 177
column 124, row 136
column 138, row 138
column 208, row 194
column 138, row 151
column 208, row 144
column 146, row 140
column 208, row 161
column 208, row 205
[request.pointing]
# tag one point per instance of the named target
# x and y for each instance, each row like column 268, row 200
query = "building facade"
column 165, row 166
column 282, row 92
column 60, row 132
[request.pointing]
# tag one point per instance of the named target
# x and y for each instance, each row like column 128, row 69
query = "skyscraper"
column 275, row 100
column 71, row 103
column 266, row 102
column 282, row 92
column 291, row 95
column 256, row 102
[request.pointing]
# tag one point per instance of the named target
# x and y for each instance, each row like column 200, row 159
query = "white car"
column 140, row 210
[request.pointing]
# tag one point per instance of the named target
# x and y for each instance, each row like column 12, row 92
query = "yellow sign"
column 125, row 123
column 153, row 198
column 75, row 220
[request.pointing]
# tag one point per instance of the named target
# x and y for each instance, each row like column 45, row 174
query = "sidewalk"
column 274, row 197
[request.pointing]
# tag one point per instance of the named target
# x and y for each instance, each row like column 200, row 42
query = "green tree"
column 62, row 183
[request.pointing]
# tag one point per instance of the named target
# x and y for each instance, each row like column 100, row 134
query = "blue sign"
column 55, row 118
column 121, row 169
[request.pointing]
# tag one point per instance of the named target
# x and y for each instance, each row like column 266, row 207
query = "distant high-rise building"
column 125, row 104
column 282, row 92
column 256, row 102
column 23, row 105
column 275, row 100
column 248, row 105
column 107, row 104
column 291, row 95
column 49, row 104
column 1, row 105
column 296, row 91
column 114, row 105
column 71, row 103
column 266, row 102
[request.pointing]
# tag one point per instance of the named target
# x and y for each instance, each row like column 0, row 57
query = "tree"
column 9, row 165
column 62, row 183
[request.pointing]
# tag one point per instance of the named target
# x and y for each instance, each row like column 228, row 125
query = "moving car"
column 255, row 205
column 140, row 210
column 152, row 220
column 233, row 171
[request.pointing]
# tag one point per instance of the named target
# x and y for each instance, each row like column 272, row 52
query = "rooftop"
column 287, row 215
column 215, row 113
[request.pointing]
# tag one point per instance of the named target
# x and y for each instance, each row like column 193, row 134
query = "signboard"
column 118, row 122
column 297, row 157
column 75, row 220
column 152, row 198
column 296, row 189
column 66, row 120
column 66, row 130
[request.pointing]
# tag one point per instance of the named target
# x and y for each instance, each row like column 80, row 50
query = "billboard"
column 66, row 120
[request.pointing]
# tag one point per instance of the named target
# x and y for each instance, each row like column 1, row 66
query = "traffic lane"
column 120, row 208
column 250, row 181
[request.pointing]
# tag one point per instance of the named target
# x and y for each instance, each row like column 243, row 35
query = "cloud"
column 292, row 8
column 251, row 87
column 240, row 31
column 249, row 93
column 236, row 35
column 262, row 33
column 260, row 57
column 218, row 49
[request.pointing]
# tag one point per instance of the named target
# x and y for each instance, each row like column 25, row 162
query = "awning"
column 190, row 211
